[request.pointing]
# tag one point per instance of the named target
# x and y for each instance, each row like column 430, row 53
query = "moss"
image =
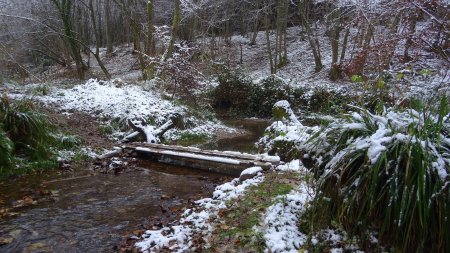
column 189, row 139
column 105, row 130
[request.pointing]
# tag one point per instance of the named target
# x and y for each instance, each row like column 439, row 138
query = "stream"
column 90, row 212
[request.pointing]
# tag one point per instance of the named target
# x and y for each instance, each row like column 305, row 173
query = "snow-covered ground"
column 278, row 223
column 118, row 101
column 199, row 221
column 299, row 72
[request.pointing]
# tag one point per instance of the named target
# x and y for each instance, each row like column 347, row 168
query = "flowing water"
column 87, row 212
column 254, row 129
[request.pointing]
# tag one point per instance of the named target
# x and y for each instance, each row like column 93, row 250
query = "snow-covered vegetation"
column 358, row 92
column 391, row 170
column 114, row 102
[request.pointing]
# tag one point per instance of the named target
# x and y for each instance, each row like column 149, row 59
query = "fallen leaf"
column 138, row 232
column 7, row 240
column 29, row 201
column 224, row 227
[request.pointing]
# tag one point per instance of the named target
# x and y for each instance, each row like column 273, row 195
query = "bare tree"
column 64, row 8
column 312, row 37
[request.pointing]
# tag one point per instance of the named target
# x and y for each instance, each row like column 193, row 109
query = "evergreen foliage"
column 388, row 172
column 28, row 132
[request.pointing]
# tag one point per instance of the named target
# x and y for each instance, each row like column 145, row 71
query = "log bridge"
column 225, row 162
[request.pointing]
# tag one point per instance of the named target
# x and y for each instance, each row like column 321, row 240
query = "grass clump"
column 388, row 173
column 27, row 133
column 6, row 151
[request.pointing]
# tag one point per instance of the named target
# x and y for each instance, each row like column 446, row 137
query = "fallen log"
column 115, row 152
column 151, row 134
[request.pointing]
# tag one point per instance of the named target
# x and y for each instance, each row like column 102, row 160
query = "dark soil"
column 82, row 125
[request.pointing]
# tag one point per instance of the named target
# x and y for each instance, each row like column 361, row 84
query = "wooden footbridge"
column 226, row 162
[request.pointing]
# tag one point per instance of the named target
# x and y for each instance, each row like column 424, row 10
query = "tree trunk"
column 94, row 26
column 150, row 45
column 64, row 8
column 109, row 46
column 255, row 33
column 97, row 41
column 256, row 22
column 99, row 24
column 344, row 45
column 313, row 41
column 175, row 22
column 412, row 20
column 284, row 33
column 136, row 32
column 269, row 47
column 335, row 72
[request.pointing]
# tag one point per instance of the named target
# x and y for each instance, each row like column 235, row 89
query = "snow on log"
column 116, row 151
column 151, row 134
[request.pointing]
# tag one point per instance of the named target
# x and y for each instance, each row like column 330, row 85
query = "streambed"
column 91, row 212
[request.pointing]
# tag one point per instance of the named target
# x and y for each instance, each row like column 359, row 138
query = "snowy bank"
column 198, row 221
column 118, row 101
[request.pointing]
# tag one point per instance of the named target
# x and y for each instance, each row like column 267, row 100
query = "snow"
column 295, row 165
column 198, row 221
column 202, row 157
column 119, row 101
column 280, row 230
column 113, row 100
column 251, row 171
column 284, row 104
column 269, row 158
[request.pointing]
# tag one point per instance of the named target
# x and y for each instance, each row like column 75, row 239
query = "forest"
column 224, row 126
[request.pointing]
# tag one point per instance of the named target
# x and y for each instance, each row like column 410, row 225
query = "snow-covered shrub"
column 287, row 136
column 389, row 172
column 180, row 75
column 233, row 90
column 266, row 93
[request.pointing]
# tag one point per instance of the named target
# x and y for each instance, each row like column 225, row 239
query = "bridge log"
column 225, row 162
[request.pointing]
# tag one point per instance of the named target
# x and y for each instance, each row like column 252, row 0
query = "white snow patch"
column 251, row 171
column 280, row 221
column 197, row 221
column 295, row 165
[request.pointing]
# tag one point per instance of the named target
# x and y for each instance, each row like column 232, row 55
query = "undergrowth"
column 26, row 133
column 388, row 173
column 188, row 139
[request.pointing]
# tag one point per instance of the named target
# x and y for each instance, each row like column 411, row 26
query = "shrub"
column 180, row 75
column 29, row 129
column 232, row 91
column 326, row 101
column 389, row 172
column 265, row 94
